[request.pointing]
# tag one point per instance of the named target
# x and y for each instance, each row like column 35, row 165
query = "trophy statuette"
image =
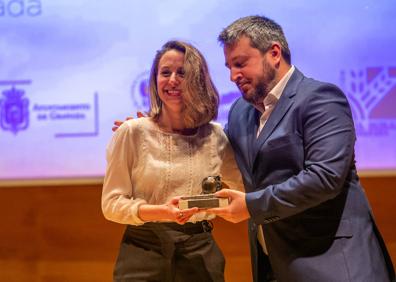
column 207, row 199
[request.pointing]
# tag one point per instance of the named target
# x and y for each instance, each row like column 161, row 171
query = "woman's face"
column 170, row 80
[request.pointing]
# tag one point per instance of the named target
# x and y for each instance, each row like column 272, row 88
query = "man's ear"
column 276, row 50
column 275, row 53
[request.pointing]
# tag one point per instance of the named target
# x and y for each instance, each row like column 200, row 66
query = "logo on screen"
column 14, row 108
column 141, row 92
column 372, row 96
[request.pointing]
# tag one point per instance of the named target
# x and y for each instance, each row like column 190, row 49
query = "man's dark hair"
column 261, row 31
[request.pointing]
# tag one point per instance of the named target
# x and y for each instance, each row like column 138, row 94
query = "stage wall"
column 59, row 234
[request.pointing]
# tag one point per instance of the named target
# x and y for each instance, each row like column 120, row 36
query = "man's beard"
column 265, row 83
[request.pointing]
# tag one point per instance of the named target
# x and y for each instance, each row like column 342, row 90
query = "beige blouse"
column 148, row 165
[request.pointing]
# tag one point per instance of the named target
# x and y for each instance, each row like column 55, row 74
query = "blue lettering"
column 61, row 116
column 42, row 117
column 34, row 9
column 376, row 128
column 2, row 9
column 15, row 8
column 18, row 8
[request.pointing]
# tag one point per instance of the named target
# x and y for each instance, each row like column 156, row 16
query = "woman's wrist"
column 147, row 212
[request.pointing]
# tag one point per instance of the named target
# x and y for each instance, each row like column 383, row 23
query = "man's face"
column 253, row 72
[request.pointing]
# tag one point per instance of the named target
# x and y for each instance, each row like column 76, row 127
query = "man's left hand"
column 236, row 211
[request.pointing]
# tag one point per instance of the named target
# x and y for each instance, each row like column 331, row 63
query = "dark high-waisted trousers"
column 169, row 252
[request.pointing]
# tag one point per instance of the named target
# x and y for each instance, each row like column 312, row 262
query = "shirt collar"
column 279, row 87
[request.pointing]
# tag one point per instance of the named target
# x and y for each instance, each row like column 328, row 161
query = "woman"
column 153, row 160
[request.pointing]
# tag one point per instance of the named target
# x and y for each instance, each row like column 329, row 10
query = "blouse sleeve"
column 118, row 202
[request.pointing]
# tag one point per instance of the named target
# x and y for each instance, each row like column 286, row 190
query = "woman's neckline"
column 185, row 132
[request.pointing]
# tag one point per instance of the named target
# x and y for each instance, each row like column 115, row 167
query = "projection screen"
column 68, row 69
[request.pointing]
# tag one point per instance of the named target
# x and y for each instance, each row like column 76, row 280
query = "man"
column 293, row 138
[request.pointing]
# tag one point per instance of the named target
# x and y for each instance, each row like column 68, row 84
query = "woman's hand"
column 166, row 212
column 180, row 216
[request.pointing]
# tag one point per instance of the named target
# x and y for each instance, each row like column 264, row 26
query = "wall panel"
column 59, row 234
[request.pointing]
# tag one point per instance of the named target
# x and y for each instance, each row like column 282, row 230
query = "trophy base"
column 202, row 202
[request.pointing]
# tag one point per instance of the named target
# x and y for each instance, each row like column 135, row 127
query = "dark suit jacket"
column 302, row 187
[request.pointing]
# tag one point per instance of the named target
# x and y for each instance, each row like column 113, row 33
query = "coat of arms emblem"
column 14, row 112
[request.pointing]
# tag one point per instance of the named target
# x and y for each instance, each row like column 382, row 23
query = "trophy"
column 207, row 199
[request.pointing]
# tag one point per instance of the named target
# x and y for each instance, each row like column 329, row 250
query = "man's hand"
column 236, row 211
column 118, row 123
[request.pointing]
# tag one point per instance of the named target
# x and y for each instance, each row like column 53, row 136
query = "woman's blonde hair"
column 201, row 100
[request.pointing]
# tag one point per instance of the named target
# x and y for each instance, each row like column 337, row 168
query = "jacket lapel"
column 280, row 110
